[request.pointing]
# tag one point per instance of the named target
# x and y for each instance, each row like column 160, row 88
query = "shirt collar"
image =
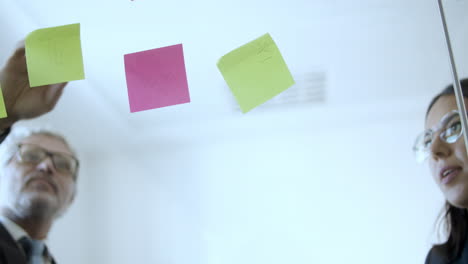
column 15, row 230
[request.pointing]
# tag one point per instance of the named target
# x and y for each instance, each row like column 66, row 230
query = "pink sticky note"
column 156, row 78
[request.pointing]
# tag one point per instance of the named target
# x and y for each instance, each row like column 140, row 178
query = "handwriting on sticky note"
column 53, row 55
column 156, row 78
column 55, row 52
column 265, row 51
column 158, row 83
column 255, row 72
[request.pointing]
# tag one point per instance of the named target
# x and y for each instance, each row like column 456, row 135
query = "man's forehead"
column 47, row 142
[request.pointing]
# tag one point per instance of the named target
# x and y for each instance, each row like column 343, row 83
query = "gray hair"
column 9, row 146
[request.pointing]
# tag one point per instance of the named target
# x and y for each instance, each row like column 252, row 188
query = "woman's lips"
column 447, row 174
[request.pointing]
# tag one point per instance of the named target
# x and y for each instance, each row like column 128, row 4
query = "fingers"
column 20, row 50
column 20, row 44
column 18, row 60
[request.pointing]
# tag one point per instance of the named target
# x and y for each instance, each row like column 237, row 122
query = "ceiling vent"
column 308, row 89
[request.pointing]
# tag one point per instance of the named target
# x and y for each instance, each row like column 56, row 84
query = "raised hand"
column 22, row 101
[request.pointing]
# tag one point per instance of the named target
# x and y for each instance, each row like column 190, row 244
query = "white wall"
column 337, row 195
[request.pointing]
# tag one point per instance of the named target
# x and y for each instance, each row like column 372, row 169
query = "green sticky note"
column 53, row 55
column 255, row 72
column 3, row 112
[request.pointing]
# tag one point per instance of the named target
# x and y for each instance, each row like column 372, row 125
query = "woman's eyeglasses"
column 449, row 129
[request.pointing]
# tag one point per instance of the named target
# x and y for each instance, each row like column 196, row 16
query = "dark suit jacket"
column 10, row 252
column 9, row 249
column 433, row 258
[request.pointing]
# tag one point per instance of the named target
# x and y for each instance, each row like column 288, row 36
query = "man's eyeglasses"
column 450, row 128
column 63, row 163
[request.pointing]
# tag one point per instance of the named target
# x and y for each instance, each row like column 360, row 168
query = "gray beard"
column 35, row 206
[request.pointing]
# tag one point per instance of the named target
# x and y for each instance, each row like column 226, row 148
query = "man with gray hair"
column 38, row 169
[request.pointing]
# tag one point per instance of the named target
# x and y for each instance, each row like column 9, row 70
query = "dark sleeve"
column 428, row 258
column 4, row 134
column 434, row 258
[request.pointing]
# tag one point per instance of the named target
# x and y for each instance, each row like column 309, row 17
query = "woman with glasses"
column 443, row 146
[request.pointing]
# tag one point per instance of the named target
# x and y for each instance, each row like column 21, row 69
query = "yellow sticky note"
column 53, row 55
column 3, row 112
column 255, row 72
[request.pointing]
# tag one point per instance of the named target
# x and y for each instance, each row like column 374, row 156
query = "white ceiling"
column 371, row 51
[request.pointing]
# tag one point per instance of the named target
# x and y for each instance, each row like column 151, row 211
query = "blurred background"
column 323, row 173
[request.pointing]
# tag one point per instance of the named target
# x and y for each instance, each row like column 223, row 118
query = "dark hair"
column 449, row 91
column 454, row 218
